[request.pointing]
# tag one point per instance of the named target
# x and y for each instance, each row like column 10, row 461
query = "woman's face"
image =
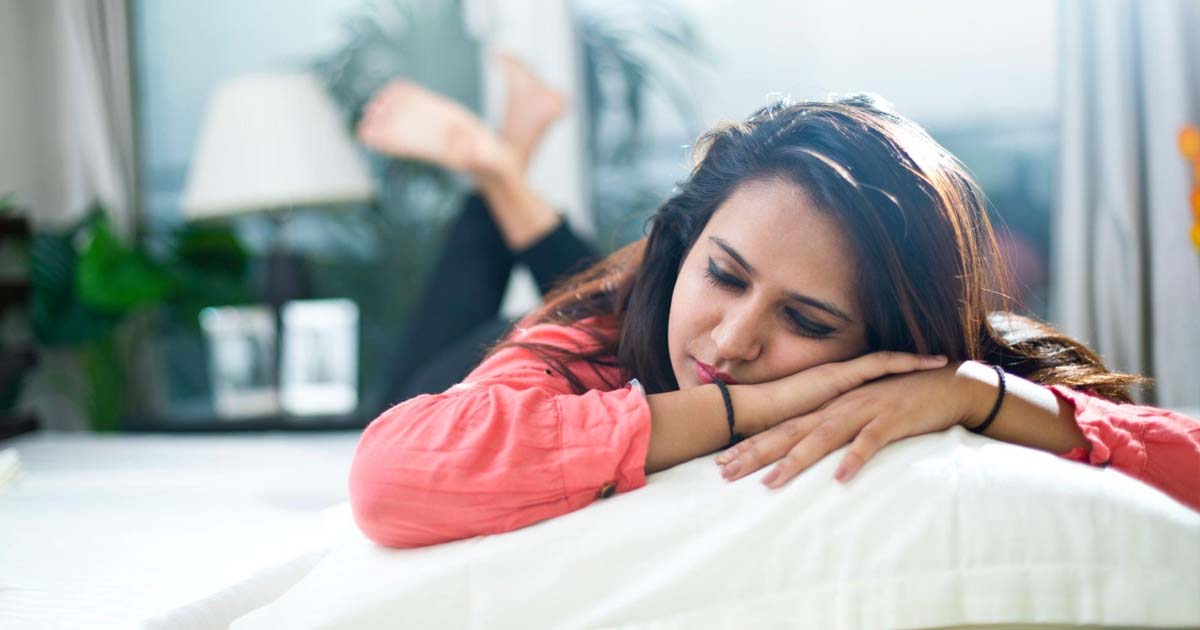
column 766, row 291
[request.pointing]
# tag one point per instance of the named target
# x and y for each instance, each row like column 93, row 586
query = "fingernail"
column 840, row 473
column 731, row 469
column 721, row 459
column 771, row 477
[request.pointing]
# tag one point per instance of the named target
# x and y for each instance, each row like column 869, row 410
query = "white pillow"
column 943, row 530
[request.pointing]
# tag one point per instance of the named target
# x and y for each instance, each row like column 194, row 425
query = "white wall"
column 939, row 61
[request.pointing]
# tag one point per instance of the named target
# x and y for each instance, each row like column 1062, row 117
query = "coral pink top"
column 512, row 445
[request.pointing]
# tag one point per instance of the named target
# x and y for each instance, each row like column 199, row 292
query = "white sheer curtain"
column 541, row 33
column 77, row 136
column 1127, row 279
column 91, row 112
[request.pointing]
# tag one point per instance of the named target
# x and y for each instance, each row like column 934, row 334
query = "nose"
column 737, row 337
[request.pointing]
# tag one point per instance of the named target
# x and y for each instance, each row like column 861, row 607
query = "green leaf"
column 57, row 315
column 116, row 279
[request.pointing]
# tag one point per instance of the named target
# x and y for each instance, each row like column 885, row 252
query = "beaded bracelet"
column 996, row 407
column 734, row 438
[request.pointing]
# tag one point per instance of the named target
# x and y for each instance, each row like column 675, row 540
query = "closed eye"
column 801, row 324
column 720, row 278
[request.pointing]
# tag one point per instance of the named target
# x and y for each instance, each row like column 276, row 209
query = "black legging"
column 457, row 317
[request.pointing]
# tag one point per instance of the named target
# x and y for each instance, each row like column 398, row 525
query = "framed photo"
column 241, row 343
column 320, row 357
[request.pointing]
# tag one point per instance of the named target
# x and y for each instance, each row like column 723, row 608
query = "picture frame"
column 242, row 359
column 319, row 371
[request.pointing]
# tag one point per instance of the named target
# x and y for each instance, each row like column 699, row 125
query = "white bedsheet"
column 106, row 531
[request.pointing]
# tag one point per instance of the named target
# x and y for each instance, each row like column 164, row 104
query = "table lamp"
column 272, row 143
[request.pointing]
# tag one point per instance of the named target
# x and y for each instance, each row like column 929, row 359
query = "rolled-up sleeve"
column 509, row 447
column 1157, row 446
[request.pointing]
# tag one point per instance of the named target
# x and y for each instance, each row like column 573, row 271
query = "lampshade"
column 272, row 141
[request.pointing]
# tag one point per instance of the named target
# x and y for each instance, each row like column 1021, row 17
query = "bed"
column 102, row 531
column 946, row 530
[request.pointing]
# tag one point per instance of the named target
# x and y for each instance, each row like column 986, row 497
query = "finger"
column 727, row 455
column 791, row 430
column 823, row 440
column 901, row 362
column 735, row 451
column 768, row 446
column 839, row 378
column 868, row 442
column 877, row 364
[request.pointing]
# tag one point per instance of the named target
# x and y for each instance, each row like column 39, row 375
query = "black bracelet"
column 996, row 407
column 734, row 438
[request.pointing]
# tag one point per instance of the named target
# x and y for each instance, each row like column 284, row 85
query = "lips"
column 707, row 373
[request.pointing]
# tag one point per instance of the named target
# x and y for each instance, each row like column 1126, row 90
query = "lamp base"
column 287, row 278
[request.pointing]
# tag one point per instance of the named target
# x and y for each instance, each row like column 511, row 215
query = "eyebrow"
column 799, row 297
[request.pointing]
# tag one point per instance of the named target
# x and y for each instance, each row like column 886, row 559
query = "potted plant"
column 87, row 287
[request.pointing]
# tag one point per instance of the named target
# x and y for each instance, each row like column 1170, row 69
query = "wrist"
column 976, row 386
column 752, row 405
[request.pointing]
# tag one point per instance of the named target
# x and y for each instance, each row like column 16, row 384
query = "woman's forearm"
column 1030, row 415
column 688, row 423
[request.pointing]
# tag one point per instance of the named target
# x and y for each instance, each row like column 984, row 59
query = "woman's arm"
column 690, row 423
column 509, row 446
column 513, row 445
column 1030, row 414
column 1159, row 447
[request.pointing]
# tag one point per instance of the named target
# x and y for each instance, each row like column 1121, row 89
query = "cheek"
column 693, row 302
column 677, row 321
column 792, row 353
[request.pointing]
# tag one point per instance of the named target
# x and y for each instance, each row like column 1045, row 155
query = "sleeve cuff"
column 616, row 450
column 1111, row 444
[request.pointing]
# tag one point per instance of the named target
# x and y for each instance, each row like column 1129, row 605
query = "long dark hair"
column 929, row 274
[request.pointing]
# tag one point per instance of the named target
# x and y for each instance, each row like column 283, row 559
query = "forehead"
column 792, row 244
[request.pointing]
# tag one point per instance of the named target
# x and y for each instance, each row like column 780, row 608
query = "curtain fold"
column 93, row 108
column 1127, row 280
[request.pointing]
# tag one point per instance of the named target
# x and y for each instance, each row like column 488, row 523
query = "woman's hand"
column 809, row 389
column 873, row 415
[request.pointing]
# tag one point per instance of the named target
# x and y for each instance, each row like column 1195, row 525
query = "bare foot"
column 406, row 120
column 532, row 105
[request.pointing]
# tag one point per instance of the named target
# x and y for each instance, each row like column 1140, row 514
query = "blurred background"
column 192, row 240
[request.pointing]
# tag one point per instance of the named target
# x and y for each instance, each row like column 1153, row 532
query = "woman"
column 821, row 278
